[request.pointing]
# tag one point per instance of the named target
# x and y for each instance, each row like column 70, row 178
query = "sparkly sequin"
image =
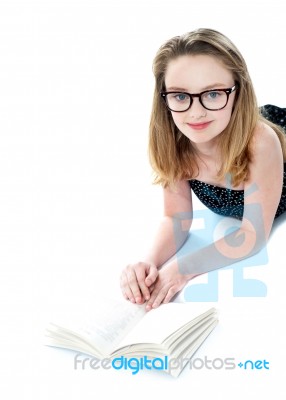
column 230, row 202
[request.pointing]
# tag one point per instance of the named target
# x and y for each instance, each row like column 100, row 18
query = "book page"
column 103, row 324
column 159, row 323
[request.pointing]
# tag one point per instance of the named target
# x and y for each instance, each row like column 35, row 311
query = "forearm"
column 232, row 248
column 168, row 239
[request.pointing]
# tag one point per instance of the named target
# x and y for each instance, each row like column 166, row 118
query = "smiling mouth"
column 200, row 125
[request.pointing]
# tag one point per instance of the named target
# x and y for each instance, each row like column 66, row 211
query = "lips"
column 200, row 126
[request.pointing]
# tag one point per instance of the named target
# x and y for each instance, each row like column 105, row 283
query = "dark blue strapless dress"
column 230, row 202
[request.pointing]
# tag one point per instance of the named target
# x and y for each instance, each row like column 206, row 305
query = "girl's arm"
column 173, row 231
column 264, row 191
column 137, row 279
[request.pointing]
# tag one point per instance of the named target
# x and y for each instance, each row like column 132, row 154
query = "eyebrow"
column 213, row 86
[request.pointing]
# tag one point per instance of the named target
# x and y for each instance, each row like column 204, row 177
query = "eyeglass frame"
column 227, row 92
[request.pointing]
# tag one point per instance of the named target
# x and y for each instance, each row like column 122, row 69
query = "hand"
column 137, row 281
column 168, row 283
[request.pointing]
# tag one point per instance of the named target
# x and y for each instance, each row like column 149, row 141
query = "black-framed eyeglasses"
column 213, row 100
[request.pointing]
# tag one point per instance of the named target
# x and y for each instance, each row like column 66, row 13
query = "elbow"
column 241, row 244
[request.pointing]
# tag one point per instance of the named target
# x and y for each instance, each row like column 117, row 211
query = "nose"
column 197, row 111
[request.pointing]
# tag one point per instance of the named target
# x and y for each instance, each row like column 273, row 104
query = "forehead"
column 195, row 72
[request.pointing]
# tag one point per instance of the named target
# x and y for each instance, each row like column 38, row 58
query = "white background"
column 76, row 200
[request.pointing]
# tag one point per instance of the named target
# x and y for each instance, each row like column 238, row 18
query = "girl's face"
column 195, row 74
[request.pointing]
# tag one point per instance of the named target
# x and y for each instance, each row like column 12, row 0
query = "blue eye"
column 181, row 97
column 213, row 95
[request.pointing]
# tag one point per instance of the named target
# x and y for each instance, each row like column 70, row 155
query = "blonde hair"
column 171, row 153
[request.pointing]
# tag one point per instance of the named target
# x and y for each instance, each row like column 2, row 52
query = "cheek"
column 177, row 118
column 224, row 117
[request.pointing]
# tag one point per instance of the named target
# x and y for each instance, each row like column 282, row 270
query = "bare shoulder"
column 267, row 155
column 265, row 174
column 181, row 190
column 265, row 142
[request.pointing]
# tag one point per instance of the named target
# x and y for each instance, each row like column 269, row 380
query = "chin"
column 202, row 139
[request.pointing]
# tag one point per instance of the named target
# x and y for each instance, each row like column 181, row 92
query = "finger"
column 156, row 295
column 151, row 288
column 160, row 297
column 170, row 294
column 125, row 288
column 133, row 285
column 152, row 275
column 152, row 298
column 140, row 274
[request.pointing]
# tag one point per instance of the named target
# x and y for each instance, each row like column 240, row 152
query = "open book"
column 164, row 338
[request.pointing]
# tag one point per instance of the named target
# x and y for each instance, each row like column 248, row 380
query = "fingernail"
column 138, row 299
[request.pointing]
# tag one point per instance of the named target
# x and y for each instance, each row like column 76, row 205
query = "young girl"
column 207, row 132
